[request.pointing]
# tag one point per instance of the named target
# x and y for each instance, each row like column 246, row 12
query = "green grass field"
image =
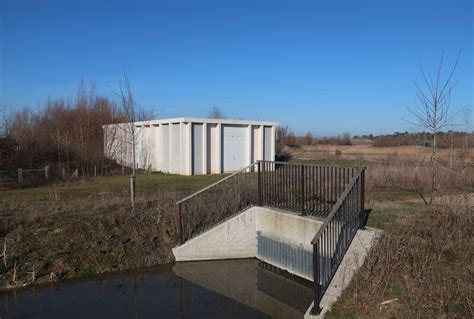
column 148, row 186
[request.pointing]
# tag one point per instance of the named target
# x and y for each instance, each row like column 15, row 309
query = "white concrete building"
column 190, row 146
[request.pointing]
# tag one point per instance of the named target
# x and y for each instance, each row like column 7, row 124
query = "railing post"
column 302, row 189
column 362, row 200
column 261, row 169
column 179, row 221
column 316, row 310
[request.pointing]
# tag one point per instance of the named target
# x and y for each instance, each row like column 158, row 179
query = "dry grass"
column 424, row 265
column 89, row 227
column 415, row 175
column 371, row 153
column 425, row 262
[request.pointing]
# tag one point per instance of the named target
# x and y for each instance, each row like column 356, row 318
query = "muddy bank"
column 48, row 240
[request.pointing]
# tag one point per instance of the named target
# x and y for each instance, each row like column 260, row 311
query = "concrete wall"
column 235, row 238
column 238, row 237
column 191, row 146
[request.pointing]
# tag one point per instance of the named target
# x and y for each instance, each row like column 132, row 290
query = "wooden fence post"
column 20, row 175
column 132, row 190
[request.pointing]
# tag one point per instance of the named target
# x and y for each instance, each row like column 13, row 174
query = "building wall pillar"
column 219, row 149
column 204, row 148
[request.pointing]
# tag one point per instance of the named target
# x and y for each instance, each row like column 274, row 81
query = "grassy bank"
column 74, row 230
column 424, row 265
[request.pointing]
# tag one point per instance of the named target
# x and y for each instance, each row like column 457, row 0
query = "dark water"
column 217, row 289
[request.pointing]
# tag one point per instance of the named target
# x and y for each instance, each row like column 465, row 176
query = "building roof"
column 205, row 120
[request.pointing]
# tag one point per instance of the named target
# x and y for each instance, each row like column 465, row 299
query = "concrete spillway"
column 278, row 237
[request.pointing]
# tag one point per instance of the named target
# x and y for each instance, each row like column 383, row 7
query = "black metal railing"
column 217, row 202
column 305, row 188
column 336, row 234
column 332, row 192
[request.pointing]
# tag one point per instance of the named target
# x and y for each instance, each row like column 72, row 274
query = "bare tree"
column 129, row 129
column 432, row 110
column 282, row 133
column 4, row 121
column 128, row 133
column 216, row 113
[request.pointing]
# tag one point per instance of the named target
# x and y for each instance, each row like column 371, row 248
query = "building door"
column 234, row 144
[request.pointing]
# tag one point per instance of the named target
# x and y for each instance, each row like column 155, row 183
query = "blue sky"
column 319, row 66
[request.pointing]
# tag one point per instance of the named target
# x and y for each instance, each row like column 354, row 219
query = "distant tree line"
column 65, row 134
column 456, row 139
column 287, row 137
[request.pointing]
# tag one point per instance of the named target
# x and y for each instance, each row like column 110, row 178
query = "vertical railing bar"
column 285, row 187
column 339, row 174
column 362, row 197
column 328, row 201
column 275, row 193
column 334, row 188
column 259, row 176
column 271, row 174
column 180, row 224
column 267, row 188
column 265, row 183
column 326, row 190
column 312, row 190
column 290, row 186
column 277, row 185
column 320, row 192
column 322, row 185
column 303, row 189
column 331, row 183
column 270, row 192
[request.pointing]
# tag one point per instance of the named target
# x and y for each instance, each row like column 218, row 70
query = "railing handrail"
column 338, row 204
column 309, row 164
column 216, row 183
column 254, row 163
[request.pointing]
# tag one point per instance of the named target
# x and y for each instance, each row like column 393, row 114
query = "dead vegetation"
column 59, row 239
column 423, row 265
column 75, row 230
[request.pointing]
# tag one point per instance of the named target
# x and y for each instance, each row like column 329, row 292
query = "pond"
column 244, row 288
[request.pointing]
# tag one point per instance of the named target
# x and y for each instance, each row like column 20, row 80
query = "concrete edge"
column 361, row 245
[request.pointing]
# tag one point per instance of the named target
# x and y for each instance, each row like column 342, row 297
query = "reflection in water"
column 217, row 289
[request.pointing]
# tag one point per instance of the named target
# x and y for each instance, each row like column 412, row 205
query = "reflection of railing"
column 282, row 286
column 335, row 235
